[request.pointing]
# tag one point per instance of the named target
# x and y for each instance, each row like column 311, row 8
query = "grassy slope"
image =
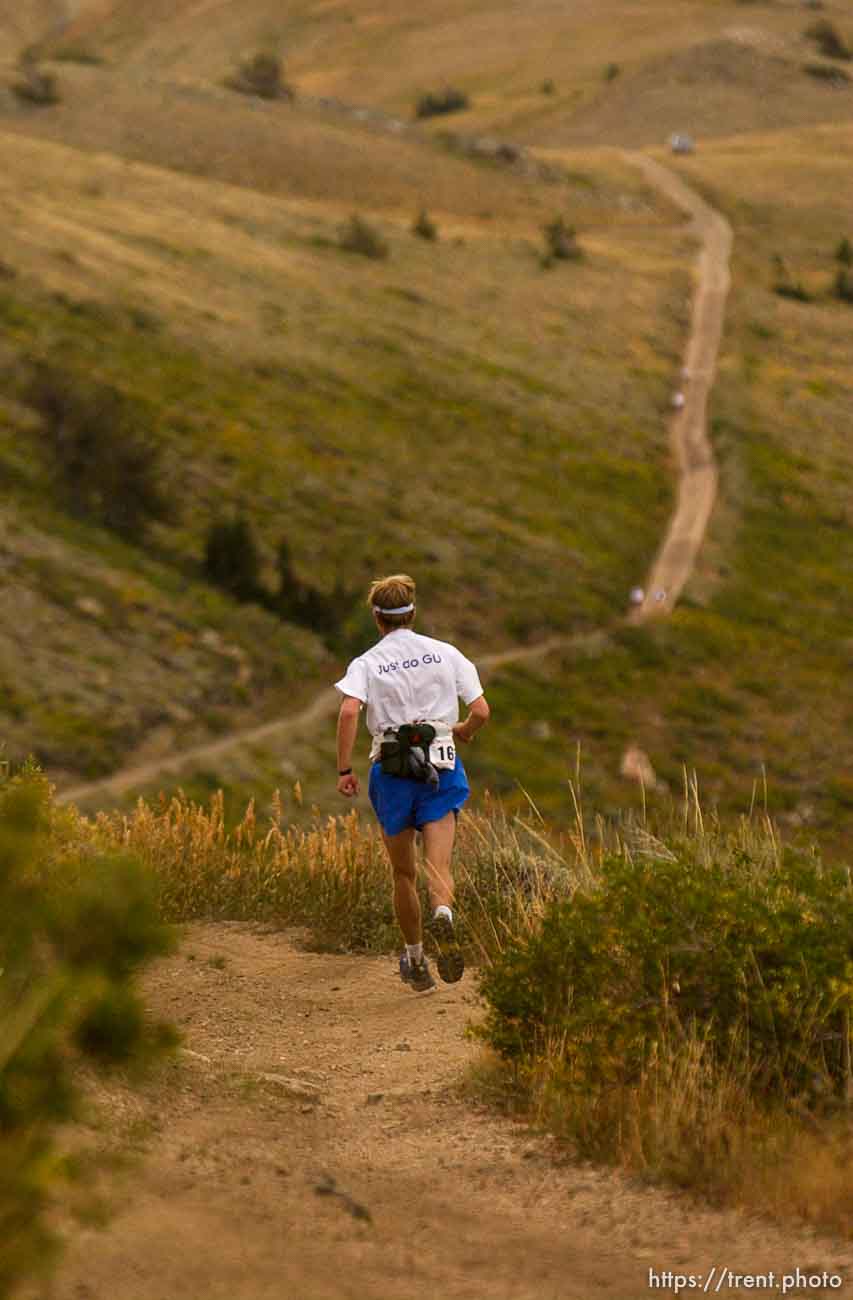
column 706, row 65
column 755, row 668
column 316, row 389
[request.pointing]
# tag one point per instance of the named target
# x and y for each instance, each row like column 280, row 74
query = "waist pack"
column 404, row 752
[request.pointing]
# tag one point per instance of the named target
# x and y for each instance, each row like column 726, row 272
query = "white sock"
column 415, row 953
column 443, row 910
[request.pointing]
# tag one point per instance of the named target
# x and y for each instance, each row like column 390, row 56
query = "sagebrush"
column 75, row 928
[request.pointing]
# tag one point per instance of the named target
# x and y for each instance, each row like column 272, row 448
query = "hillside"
column 753, row 672
column 614, row 72
column 180, row 243
column 308, row 386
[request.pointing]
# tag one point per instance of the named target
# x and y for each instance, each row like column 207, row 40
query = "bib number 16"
column 446, row 753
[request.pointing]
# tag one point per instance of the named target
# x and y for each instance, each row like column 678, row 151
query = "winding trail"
column 697, row 470
column 672, row 566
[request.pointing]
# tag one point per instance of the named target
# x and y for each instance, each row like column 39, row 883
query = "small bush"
column 72, row 939
column 232, row 560
column 844, row 252
column 104, row 458
column 828, row 39
column 611, row 72
column 77, row 54
column 298, row 603
column 827, row 72
column 424, row 227
column 548, row 87
column 36, row 86
column 261, row 75
column 843, row 286
column 561, row 242
column 437, row 103
column 754, row 954
column 792, row 289
column 358, row 236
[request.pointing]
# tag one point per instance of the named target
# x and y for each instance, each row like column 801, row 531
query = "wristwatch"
column 347, row 771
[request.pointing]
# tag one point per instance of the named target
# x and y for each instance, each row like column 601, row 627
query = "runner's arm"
column 347, row 729
column 478, row 716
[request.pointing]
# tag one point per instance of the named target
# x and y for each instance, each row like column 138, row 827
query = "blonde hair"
column 392, row 593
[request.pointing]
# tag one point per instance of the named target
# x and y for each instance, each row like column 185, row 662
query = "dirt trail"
column 697, row 482
column 462, row 1205
column 279, row 731
column 672, row 566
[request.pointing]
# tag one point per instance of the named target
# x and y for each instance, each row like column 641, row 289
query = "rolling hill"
column 181, row 244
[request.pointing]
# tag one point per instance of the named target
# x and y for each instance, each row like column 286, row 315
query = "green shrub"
column 791, row 289
column 299, row 603
column 844, row 252
column 77, row 54
column 261, row 75
column 561, row 243
column 358, row 236
column 35, row 85
column 232, row 560
column 548, row 87
column 72, row 938
column 437, row 103
column 843, row 286
column 611, row 72
column 755, row 955
column 828, row 39
column 425, row 227
column 827, row 72
column 104, row 459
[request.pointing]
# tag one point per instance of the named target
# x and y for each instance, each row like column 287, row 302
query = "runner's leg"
column 438, row 850
column 407, row 906
column 438, row 847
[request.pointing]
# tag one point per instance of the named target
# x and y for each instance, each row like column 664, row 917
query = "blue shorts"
column 400, row 803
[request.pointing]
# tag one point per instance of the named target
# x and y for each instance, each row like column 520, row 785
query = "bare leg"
column 438, row 850
column 407, row 905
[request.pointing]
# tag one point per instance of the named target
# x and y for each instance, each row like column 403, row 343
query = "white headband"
column 403, row 609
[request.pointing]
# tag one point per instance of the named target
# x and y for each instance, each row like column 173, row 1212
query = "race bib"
column 442, row 752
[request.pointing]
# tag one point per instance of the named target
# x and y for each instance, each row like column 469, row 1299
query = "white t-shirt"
column 407, row 677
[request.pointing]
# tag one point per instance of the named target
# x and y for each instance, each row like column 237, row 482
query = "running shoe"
column 448, row 953
column 417, row 974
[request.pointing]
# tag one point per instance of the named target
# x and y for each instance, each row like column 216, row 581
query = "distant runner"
column 411, row 685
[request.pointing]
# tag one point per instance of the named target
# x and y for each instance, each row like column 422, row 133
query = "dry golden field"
column 701, row 65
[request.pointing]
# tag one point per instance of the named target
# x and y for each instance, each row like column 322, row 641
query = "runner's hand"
column 348, row 785
column 459, row 734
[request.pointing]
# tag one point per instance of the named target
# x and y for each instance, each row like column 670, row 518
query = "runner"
column 411, row 685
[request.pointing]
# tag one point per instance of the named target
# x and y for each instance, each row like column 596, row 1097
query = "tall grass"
column 332, row 877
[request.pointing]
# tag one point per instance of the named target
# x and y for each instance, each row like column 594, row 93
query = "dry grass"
column 384, row 55
column 693, row 1124
column 330, row 876
column 219, row 259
